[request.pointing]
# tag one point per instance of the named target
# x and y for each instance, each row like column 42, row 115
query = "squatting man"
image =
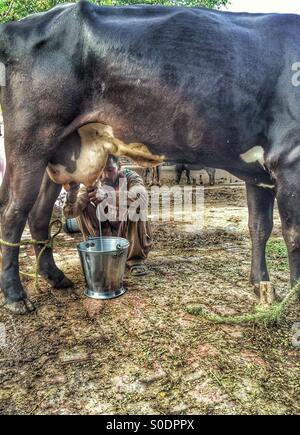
column 118, row 203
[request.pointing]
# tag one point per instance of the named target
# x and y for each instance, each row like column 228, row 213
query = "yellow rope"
column 261, row 315
column 47, row 244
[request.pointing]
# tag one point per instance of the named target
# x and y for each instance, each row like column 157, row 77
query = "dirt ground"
column 143, row 353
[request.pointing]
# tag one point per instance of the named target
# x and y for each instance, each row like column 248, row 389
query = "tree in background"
column 16, row 9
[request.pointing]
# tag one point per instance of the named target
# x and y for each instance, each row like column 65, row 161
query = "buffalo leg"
column 179, row 171
column 145, row 175
column 212, row 176
column 24, row 182
column 188, row 175
column 158, row 174
column 261, row 207
column 39, row 220
column 288, row 196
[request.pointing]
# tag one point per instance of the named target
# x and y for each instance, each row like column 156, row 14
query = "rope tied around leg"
column 261, row 315
column 46, row 245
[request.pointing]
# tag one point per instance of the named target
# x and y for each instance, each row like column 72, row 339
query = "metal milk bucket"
column 103, row 261
column 72, row 226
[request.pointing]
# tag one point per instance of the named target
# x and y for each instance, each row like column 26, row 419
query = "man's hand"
column 136, row 192
column 96, row 196
column 132, row 195
column 73, row 192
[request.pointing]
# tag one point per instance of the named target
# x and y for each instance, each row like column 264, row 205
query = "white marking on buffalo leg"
column 294, row 155
column 255, row 154
column 266, row 186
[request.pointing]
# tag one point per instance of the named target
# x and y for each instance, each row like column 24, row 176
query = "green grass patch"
column 278, row 255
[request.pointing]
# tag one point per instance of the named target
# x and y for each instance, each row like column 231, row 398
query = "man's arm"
column 76, row 202
column 136, row 188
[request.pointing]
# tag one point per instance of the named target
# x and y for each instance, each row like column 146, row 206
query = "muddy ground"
column 143, row 353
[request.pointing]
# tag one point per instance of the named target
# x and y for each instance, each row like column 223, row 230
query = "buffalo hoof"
column 62, row 284
column 256, row 289
column 21, row 307
column 278, row 297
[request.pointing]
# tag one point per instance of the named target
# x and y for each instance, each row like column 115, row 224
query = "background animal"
column 181, row 168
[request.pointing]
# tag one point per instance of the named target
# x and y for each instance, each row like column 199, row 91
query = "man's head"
column 111, row 171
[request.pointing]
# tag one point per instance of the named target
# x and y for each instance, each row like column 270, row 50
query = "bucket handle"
column 119, row 250
column 90, row 245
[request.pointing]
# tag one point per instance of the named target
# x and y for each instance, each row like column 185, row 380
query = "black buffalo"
column 152, row 83
column 181, row 168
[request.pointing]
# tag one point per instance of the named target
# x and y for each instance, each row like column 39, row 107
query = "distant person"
column 155, row 174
